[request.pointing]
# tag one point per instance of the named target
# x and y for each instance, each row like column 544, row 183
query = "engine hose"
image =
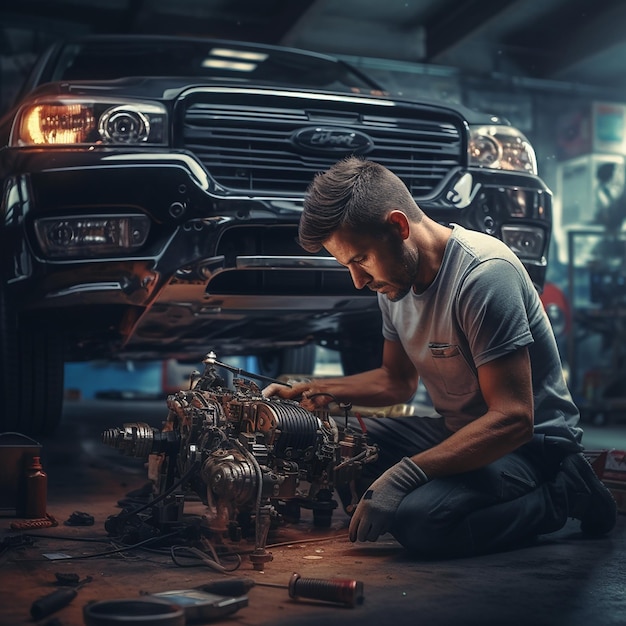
column 258, row 472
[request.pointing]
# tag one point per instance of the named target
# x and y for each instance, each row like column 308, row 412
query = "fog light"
column 526, row 241
column 91, row 236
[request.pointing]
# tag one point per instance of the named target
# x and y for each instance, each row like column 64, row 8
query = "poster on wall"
column 608, row 128
column 594, row 128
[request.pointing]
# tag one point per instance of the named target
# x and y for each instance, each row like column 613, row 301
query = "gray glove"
column 375, row 512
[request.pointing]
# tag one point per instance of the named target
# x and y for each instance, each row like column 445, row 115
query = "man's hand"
column 284, row 391
column 375, row 512
column 308, row 392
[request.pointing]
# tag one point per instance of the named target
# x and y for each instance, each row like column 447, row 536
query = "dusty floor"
column 562, row 580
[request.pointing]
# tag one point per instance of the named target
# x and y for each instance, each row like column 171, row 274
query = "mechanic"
column 503, row 463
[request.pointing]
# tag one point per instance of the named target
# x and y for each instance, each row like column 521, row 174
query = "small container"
column 36, row 490
column 16, row 453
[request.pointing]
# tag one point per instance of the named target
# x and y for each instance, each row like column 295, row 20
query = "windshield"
column 111, row 59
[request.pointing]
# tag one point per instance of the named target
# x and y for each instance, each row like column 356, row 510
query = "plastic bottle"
column 36, row 490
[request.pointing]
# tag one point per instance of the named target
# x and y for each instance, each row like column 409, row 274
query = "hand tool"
column 56, row 600
column 340, row 590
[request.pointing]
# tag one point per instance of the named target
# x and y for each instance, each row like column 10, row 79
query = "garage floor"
column 564, row 579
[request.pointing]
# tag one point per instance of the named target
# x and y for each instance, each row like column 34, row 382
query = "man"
column 503, row 464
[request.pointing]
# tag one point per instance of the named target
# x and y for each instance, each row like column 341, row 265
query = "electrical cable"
column 167, row 492
column 116, row 551
column 346, row 406
column 67, row 538
column 209, row 560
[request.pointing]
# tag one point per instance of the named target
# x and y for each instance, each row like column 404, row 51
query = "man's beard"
column 404, row 275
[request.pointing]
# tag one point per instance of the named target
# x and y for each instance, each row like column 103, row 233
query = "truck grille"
column 247, row 145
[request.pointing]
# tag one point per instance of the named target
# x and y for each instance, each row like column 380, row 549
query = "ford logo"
column 332, row 139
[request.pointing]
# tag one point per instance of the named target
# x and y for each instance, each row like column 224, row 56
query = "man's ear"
column 400, row 222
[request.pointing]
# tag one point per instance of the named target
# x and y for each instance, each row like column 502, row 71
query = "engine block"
column 249, row 459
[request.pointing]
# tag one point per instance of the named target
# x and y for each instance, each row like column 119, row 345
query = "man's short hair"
column 353, row 193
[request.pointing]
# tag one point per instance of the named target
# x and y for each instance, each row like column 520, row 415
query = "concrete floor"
column 563, row 579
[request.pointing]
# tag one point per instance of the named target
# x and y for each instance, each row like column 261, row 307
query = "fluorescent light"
column 238, row 54
column 223, row 64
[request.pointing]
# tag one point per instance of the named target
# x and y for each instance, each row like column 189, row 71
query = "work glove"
column 375, row 512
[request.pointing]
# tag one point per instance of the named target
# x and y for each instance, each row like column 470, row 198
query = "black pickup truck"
column 151, row 191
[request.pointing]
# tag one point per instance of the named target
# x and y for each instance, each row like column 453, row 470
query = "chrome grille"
column 246, row 145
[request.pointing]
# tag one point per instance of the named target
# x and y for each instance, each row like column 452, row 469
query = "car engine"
column 251, row 460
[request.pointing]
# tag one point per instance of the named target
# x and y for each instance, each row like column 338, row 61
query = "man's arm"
column 506, row 386
column 507, row 424
column 393, row 382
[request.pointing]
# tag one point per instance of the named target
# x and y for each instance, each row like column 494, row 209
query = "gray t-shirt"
column 481, row 305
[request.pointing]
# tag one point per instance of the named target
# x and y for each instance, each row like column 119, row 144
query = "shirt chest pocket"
column 457, row 377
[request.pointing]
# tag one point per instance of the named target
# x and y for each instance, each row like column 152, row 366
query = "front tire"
column 31, row 375
column 362, row 354
column 299, row 360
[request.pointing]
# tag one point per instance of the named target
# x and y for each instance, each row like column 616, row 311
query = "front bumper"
column 211, row 252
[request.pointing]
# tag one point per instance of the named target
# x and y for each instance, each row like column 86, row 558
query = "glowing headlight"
column 57, row 124
column 78, row 121
column 526, row 241
column 501, row 147
column 91, row 236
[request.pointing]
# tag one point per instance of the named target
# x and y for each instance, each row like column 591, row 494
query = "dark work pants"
column 497, row 507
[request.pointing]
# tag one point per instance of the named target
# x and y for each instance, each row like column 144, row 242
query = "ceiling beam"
column 453, row 24
column 253, row 20
column 602, row 28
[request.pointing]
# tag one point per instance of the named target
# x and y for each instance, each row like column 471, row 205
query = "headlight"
column 78, row 121
column 91, row 236
column 526, row 241
column 501, row 147
column 124, row 125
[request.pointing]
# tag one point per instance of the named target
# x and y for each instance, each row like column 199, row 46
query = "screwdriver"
column 56, row 600
column 341, row 590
